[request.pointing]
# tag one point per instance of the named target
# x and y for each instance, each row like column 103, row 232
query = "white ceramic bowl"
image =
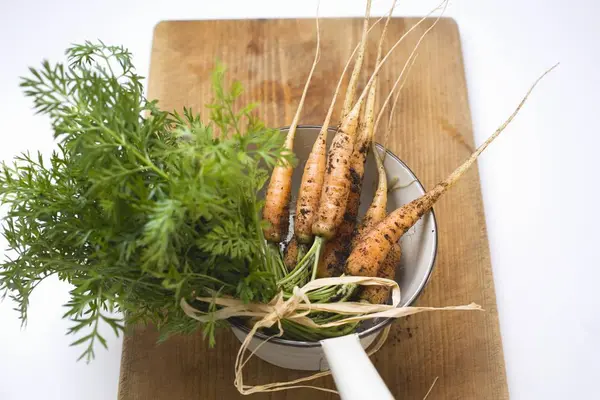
column 419, row 248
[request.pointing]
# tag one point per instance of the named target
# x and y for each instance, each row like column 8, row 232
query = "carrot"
column 277, row 199
column 294, row 252
column 334, row 191
column 336, row 187
column 380, row 294
column 314, row 170
column 378, row 208
column 376, row 213
column 353, row 82
column 368, row 255
column 333, row 259
column 310, row 187
column 337, row 250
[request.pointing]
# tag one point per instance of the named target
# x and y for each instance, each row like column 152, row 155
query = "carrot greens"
column 137, row 207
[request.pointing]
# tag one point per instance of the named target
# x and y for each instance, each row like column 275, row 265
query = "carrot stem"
column 319, row 244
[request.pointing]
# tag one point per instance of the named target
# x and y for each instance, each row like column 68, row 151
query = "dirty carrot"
column 378, row 208
column 336, row 187
column 277, row 199
column 368, row 255
column 380, row 294
column 376, row 213
column 314, row 170
column 336, row 251
column 294, row 251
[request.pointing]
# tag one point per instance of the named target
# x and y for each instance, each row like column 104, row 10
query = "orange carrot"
column 310, row 187
column 333, row 259
column 378, row 208
column 334, row 192
column 380, row 294
column 368, row 255
column 376, row 213
column 277, row 199
column 314, row 170
column 336, row 187
column 337, row 250
column 293, row 252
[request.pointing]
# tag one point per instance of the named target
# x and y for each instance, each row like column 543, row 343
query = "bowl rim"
column 237, row 323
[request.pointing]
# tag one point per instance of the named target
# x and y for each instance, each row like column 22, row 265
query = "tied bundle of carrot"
column 180, row 221
column 372, row 263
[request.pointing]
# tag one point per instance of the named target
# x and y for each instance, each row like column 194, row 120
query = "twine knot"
column 296, row 308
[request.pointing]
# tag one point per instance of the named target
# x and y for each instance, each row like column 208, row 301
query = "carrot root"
column 277, row 199
column 367, row 256
column 313, row 176
column 380, row 294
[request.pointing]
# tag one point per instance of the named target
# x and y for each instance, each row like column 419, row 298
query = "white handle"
column 355, row 376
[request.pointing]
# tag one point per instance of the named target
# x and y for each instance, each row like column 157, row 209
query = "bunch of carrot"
column 328, row 240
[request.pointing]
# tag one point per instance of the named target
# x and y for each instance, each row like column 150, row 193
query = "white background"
column 540, row 181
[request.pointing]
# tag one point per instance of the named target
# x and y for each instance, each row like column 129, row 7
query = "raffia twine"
column 296, row 309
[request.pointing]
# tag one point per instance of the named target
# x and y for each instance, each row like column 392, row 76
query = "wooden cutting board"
column 272, row 59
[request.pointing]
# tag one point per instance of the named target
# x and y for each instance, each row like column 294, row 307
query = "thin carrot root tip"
column 398, row 186
column 353, row 82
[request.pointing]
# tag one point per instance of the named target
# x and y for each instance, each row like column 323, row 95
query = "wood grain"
column 272, row 59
